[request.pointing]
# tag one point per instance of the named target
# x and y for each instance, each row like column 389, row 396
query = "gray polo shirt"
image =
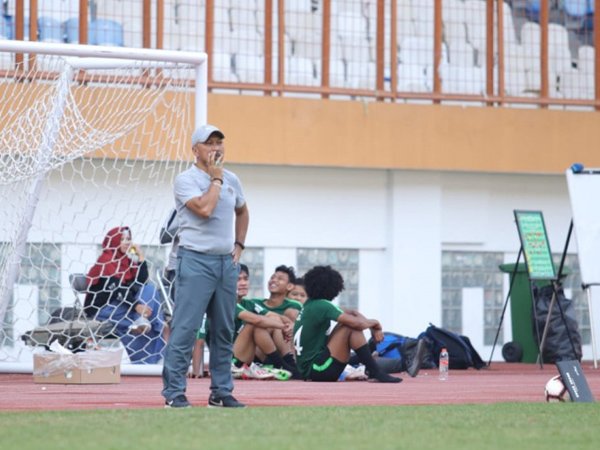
column 216, row 234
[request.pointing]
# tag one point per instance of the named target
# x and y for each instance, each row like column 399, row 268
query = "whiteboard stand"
column 556, row 285
column 584, row 190
column 510, row 288
column 591, row 313
column 540, row 267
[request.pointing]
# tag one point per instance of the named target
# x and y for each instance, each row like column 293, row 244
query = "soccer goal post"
column 91, row 138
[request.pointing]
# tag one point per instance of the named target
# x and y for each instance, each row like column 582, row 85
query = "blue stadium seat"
column 532, row 10
column 71, row 30
column 578, row 8
column 106, row 32
column 6, row 27
column 100, row 32
column 579, row 14
column 50, row 30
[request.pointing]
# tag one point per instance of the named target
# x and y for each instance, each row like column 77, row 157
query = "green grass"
column 498, row 426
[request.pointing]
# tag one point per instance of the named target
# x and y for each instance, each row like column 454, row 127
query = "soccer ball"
column 555, row 390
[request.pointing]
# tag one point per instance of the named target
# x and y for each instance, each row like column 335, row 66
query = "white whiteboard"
column 584, row 191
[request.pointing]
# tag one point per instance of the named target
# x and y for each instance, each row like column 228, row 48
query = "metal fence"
column 538, row 53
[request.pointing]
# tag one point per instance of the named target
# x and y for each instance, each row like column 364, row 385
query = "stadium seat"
column 71, row 31
column 461, row 53
column 412, row 78
column 59, row 10
column 180, row 26
column 300, row 71
column 222, row 66
column 515, row 66
column 532, row 10
column 475, row 21
column 586, row 59
column 361, row 75
column 578, row 8
column 106, row 32
column 337, row 72
column 243, row 15
column 462, row 80
column 6, row 28
column 579, row 14
column 419, row 51
column 423, row 19
column 530, row 39
column 50, row 30
column 559, row 53
column 6, row 59
column 304, row 30
column 249, row 68
column 578, row 85
column 297, row 6
column 515, row 82
column 453, row 16
column 510, row 34
column 404, row 23
column 128, row 14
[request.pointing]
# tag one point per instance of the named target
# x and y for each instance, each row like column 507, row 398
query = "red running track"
column 502, row 382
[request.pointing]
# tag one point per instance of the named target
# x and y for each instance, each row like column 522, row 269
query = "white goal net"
column 91, row 139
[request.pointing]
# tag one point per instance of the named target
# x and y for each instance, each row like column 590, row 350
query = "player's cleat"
column 237, row 372
column 180, row 401
column 382, row 377
column 385, row 378
column 278, row 374
column 255, row 372
column 355, row 373
column 227, row 401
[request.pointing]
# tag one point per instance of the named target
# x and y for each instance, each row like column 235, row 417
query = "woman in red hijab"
column 118, row 275
column 119, row 292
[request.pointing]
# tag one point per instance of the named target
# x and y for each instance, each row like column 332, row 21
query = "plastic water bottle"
column 444, row 364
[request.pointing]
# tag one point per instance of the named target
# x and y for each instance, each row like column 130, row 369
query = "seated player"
column 298, row 292
column 257, row 328
column 322, row 356
column 281, row 282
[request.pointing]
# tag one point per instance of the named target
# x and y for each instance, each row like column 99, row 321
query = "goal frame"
column 90, row 57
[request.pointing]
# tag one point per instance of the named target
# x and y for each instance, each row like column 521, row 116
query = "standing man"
column 213, row 222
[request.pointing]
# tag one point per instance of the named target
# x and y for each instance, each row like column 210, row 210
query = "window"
column 344, row 261
column 472, row 269
column 254, row 258
column 40, row 267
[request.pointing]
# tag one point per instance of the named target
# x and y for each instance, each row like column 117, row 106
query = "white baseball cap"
column 202, row 133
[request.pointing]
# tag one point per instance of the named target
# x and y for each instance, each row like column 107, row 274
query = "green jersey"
column 246, row 305
column 287, row 304
column 311, row 331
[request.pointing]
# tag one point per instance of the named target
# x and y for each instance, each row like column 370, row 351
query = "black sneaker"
column 228, row 401
column 382, row 377
column 385, row 378
column 417, row 360
column 180, row 401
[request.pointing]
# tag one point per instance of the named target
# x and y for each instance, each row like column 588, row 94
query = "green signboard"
column 534, row 241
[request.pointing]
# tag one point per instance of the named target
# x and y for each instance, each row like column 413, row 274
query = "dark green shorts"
column 325, row 367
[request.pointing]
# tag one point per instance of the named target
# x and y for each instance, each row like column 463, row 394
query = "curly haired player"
column 322, row 356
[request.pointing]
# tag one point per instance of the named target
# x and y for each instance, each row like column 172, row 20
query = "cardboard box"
column 89, row 367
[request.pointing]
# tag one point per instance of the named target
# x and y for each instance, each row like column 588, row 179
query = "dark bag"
column 402, row 348
column 460, row 350
column 391, row 346
column 557, row 346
